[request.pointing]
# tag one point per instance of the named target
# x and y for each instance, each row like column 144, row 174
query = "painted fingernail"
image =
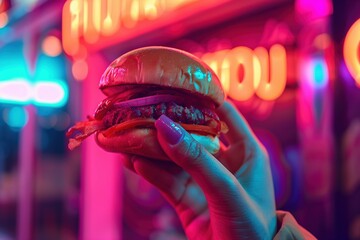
column 167, row 128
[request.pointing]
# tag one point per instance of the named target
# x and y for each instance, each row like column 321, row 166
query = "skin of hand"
column 229, row 196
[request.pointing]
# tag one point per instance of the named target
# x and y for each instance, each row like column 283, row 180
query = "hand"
column 227, row 197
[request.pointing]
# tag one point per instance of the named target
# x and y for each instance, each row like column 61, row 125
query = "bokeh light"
column 322, row 41
column 15, row 117
column 50, row 93
column 51, row 46
column 316, row 71
column 79, row 70
column 3, row 19
column 43, row 93
column 15, row 91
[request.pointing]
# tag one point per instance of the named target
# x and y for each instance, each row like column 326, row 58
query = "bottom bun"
column 139, row 141
column 144, row 142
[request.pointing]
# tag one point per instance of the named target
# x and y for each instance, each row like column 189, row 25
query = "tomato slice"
column 137, row 122
column 201, row 129
column 147, row 122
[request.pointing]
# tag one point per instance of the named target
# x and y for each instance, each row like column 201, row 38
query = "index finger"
column 237, row 124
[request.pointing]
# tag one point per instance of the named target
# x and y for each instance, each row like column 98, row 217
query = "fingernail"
column 167, row 128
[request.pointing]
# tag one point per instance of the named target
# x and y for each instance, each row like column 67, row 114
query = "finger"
column 175, row 185
column 213, row 178
column 231, row 161
column 126, row 160
column 166, row 176
column 238, row 126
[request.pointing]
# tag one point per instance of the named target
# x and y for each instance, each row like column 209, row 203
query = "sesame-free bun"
column 162, row 66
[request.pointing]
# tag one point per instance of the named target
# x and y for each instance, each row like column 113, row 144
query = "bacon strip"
column 82, row 130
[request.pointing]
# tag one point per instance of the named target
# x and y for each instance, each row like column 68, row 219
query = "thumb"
column 213, row 178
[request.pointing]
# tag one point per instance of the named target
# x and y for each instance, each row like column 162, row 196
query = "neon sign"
column 245, row 72
column 41, row 93
column 352, row 51
column 90, row 19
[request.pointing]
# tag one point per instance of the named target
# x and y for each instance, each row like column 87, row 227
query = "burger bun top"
column 162, row 66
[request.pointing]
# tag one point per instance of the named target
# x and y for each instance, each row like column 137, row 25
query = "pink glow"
column 101, row 192
column 26, row 177
column 314, row 9
column 100, row 216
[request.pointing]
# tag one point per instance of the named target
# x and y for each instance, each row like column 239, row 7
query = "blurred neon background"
column 291, row 67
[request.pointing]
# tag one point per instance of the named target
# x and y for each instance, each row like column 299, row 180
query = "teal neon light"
column 16, row 117
column 41, row 93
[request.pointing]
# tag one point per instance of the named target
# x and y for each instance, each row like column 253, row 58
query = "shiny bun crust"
column 143, row 142
column 162, row 66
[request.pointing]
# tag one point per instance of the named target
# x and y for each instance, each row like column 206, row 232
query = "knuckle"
column 193, row 154
column 231, row 185
column 258, row 150
column 263, row 153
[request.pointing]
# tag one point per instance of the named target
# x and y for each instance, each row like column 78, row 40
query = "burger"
column 145, row 83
